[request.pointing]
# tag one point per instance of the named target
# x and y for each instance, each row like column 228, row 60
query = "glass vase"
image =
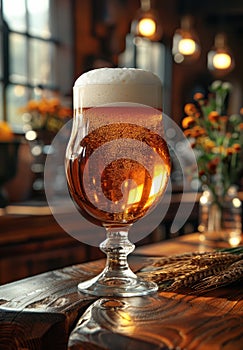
column 220, row 219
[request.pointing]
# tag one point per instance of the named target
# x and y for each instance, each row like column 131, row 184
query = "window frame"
column 64, row 49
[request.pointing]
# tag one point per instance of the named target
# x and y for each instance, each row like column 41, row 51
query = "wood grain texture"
column 164, row 321
column 40, row 313
column 31, row 238
column 36, row 244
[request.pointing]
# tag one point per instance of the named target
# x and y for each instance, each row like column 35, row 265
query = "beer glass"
column 117, row 165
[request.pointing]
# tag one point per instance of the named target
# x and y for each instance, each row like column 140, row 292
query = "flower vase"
column 221, row 219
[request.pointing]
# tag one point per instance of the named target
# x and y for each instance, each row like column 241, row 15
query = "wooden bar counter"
column 32, row 240
column 40, row 312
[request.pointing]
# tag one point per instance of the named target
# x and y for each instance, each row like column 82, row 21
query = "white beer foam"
column 121, row 85
column 118, row 76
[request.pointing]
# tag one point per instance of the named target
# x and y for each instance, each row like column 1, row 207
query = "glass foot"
column 117, row 287
column 117, row 279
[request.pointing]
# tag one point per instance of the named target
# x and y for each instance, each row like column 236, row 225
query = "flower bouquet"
column 46, row 114
column 218, row 141
column 43, row 119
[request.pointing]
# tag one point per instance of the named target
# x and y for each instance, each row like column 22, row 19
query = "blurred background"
column 45, row 45
column 49, row 44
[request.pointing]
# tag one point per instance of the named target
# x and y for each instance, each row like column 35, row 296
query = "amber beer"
column 119, row 163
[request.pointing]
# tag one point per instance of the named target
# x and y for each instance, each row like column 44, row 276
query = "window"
column 153, row 56
column 36, row 53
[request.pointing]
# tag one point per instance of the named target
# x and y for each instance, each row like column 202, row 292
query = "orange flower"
column 230, row 151
column 223, row 118
column 197, row 131
column 212, row 165
column 198, row 96
column 241, row 126
column 219, row 150
column 54, row 102
column 32, row 105
column 188, row 133
column 237, row 147
column 43, row 106
column 187, row 122
column 213, row 116
column 207, row 143
column 190, row 109
column 6, row 133
column 64, row 112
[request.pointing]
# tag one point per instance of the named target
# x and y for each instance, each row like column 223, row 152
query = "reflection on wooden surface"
column 164, row 321
column 42, row 311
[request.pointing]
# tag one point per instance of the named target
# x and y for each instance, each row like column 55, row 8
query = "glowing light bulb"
column 221, row 60
column 147, row 27
column 236, row 202
column 187, row 46
column 31, row 135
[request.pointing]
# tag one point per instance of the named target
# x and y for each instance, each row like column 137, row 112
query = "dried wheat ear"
column 199, row 272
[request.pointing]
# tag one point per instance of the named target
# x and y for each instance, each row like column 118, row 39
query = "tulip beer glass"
column 117, row 165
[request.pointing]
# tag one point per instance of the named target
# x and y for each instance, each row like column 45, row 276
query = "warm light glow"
column 19, row 90
column 221, row 61
column 157, row 183
column 134, row 195
column 31, row 135
column 36, row 151
column 179, row 58
column 236, row 202
column 187, row 46
column 96, row 199
column 146, row 27
column 203, row 200
column 234, row 241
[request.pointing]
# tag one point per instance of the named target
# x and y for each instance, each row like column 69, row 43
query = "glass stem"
column 117, row 279
column 117, row 247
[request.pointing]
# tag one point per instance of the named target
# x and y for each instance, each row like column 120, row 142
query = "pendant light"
column 220, row 58
column 146, row 23
column 186, row 47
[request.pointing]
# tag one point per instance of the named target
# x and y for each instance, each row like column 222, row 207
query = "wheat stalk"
column 232, row 274
column 199, row 271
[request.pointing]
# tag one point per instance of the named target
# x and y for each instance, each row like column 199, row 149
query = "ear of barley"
column 199, row 271
column 221, row 258
column 191, row 278
column 230, row 275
